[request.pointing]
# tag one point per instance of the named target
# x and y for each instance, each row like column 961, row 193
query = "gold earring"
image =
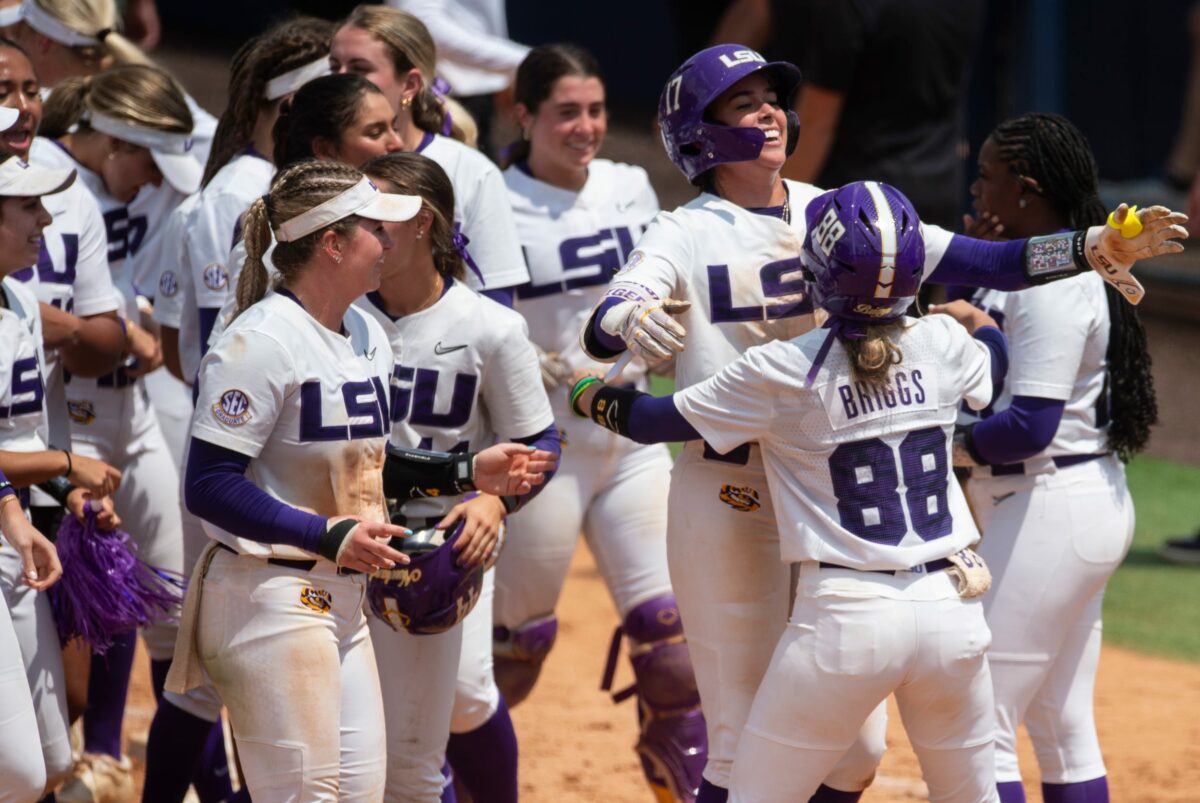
column 420, row 234
column 404, row 104
column 338, row 259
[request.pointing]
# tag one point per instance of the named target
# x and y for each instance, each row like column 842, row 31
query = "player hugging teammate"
column 363, row 305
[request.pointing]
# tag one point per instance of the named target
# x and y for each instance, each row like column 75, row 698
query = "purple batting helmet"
column 863, row 254
column 694, row 144
column 432, row 593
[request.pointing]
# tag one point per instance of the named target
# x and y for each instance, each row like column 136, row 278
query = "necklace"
column 787, row 205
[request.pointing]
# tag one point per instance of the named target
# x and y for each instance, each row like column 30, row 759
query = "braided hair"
column 285, row 47
column 1048, row 148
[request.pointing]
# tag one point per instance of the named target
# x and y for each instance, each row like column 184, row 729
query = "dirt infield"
column 576, row 745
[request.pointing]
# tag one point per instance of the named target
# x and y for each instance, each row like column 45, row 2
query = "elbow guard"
column 416, row 473
column 1055, row 256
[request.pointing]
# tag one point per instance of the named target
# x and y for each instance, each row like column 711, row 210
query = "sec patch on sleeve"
column 233, row 408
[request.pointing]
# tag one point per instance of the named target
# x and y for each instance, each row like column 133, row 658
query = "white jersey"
column 574, row 242
column 1058, row 341
column 71, row 274
column 204, row 230
column 465, row 373
column 859, row 477
column 741, row 271
column 22, row 393
column 307, row 405
column 482, row 211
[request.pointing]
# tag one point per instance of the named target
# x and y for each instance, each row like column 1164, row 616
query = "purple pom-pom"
column 105, row 590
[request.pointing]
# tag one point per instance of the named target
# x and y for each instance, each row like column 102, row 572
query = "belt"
column 933, row 566
column 302, row 565
column 1060, row 462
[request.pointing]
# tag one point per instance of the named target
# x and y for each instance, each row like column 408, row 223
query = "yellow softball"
column 1132, row 226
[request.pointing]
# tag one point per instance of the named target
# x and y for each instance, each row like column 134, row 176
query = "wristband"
column 58, row 489
column 578, row 390
column 329, row 543
column 1055, row 256
column 7, row 488
column 611, row 408
column 70, row 464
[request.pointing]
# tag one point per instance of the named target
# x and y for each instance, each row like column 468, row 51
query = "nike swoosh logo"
column 624, row 207
column 370, row 355
column 439, row 349
column 998, row 499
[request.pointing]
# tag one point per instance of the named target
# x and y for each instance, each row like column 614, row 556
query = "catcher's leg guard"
column 519, row 653
column 673, row 745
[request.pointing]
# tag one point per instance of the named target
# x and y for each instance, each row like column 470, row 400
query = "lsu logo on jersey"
column 81, row 412
column 317, row 599
column 215, row 276
column 168, row 284
column 742, row 498
column 233, row 408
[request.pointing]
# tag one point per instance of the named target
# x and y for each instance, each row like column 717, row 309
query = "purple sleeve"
column 7, row 489
column 997, row 344
column 599, row 343
column 981, row 263
column 550, row 440
column 504, row 296
column 656, row 419
column 218, row 491
column 1019, row 432
column 208, row 319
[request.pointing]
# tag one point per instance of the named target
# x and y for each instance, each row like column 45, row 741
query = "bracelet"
column 4, row 500
column 7, row 492
column 70, row 464
column 578, row 390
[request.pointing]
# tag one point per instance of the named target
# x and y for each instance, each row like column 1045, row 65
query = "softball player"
column 1051, row 496
column 845, row 418
column 136, row 131
column 733, row 253
column 290, row 428
column 465, row 373
column 578, row 217
column 394, row 50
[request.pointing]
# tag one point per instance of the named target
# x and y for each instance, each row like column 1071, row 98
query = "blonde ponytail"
column 142, row 96
column 872, row 357
column 253, row 280
column 97, row 19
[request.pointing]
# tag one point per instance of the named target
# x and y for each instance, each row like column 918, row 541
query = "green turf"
column 1151, row 605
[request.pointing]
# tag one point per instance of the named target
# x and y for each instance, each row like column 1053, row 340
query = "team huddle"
column 321, row 359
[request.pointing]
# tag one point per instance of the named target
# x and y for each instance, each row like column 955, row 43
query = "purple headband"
column 839, row 329
column 460, row 244
column 440, row 90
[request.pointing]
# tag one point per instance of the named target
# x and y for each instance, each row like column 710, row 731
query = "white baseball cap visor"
column 8, row 117
column 181, row 170
column 172, row 150
column 21, row 179
column 363, row 199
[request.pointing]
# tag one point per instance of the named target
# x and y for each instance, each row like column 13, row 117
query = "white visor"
column 290, row 81
column 52, row 27
column 8, row 117
column 10, row 15
column 18, row 178
column 171, row 150
column 363, row 199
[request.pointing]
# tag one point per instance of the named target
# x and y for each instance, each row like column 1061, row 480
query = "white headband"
column 364, row 199
column 10, row 15
column 292, row 80
column 152, row 138
column 51, row 26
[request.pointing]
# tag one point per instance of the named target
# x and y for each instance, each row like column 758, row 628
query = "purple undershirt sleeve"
column 550, row 440
column 598, row 342
column 656, row 419
column 218, row 491
column 981, row 263
column 997, row 344
column 502, row 295
column 8, row 489
column 1019, row 432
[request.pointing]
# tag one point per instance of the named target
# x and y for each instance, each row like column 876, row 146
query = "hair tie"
column 440, row 90
column 460, row 245
column 103, row 34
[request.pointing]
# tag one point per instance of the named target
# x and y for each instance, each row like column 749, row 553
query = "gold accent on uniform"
column 318, row 599
column 81, row 412
column 740, row 497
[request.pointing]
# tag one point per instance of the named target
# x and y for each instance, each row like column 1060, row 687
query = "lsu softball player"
column 1051, row 494
column 134, row 134
column 265, row 72
column 465, row 374
column 27, row 460
column 21, row 762
column 855, row 422
column 394, row 51
column 734, row 254
column 285, row 467
column 578, row 217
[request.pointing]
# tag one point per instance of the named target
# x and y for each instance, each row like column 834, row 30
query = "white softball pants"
column 1052, row 541
column 853, row 639
column 21, row 758
column 290, row 655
